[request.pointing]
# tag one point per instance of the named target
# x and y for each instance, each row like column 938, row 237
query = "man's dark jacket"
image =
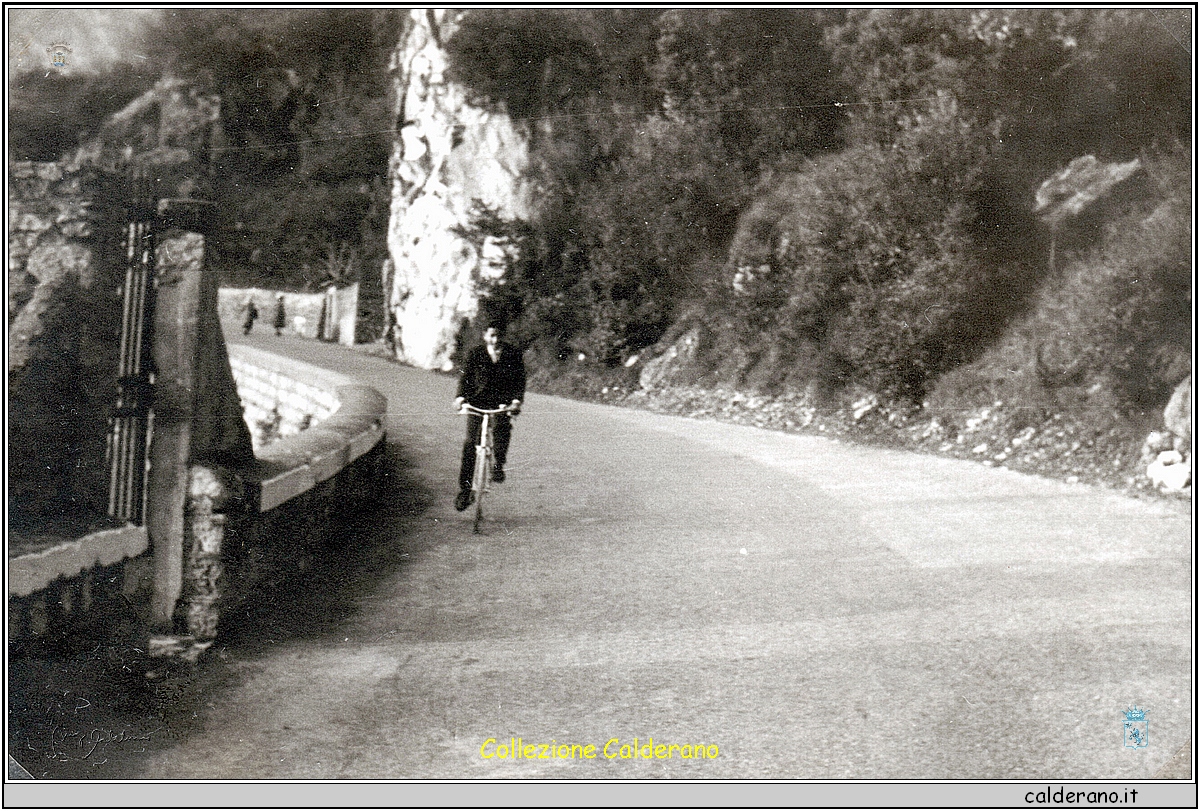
column 485, row 384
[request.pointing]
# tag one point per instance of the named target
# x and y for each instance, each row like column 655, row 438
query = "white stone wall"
column 447, row 155
column 266, row 393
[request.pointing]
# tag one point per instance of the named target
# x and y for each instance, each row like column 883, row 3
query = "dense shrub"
column 884, row 266
column 1120, row 317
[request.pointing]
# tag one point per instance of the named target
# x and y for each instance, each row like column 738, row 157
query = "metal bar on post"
column 128, row 428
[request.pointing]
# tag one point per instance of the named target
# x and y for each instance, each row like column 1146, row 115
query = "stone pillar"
column 199, row 434
column 180, row 264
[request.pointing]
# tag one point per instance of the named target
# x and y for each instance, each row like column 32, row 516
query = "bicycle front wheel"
column 483, row 469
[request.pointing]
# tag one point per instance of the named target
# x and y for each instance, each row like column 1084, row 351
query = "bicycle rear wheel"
column 483, row 469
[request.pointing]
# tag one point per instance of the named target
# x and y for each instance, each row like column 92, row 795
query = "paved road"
column 811, row 609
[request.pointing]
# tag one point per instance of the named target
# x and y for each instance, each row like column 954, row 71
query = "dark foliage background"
column 834, row 197
column 307, row 127
column 50, row 113
column 302, row 172
column 845, row 198
column 650, row 130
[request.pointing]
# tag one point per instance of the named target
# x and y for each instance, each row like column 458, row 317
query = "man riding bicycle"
column 493, row 376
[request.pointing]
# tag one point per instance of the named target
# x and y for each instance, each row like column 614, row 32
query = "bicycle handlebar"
column 467, row 408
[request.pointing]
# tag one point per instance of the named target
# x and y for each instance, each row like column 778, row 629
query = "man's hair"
column 492, row 320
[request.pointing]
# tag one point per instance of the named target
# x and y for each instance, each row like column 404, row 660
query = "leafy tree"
column 760, row 77
column 307, row 133
column 49, row 114
column 649, row 129
column 1052, row 84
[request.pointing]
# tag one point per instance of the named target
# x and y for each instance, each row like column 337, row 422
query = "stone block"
column 80, row 229
column 53, row 261
column 30, row 218
column 22, row 169
column 202, row 617
column 25, row 189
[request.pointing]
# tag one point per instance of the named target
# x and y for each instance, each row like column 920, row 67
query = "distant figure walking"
column 280, row 315
column 251, row 316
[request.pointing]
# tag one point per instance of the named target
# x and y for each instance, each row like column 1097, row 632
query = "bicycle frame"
column 483, row 455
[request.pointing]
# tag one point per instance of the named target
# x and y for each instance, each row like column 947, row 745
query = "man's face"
column 491, row 337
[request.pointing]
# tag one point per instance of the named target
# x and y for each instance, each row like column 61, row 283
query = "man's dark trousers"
column 501, row 432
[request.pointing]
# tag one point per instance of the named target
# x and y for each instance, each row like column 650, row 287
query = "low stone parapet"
column 342, row 420
column 298, row 487
column 281, row 397
column 80, row 585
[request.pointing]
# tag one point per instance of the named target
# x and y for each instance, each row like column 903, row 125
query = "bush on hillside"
column 1120, row 318
column 884, row 267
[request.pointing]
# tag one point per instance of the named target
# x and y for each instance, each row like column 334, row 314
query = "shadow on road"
column 309, row 592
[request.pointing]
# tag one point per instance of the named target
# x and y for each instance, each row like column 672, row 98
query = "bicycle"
column 483, row 454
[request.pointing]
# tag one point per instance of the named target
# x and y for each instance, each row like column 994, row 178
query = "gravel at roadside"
column 1106, row 451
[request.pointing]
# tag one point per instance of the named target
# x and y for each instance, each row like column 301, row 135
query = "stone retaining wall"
column 277, row 404
column 239, row 519
column 64, row 264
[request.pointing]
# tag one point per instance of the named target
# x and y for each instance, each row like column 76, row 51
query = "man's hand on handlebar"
column 463, row 407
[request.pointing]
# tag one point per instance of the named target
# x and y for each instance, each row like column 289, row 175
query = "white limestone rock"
column 1177, row 416
column 1170, row 472
column 448, row 154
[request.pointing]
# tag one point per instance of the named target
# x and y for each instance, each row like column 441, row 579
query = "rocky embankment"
column 1055, row 445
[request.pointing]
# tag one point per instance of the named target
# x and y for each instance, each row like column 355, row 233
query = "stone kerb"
column 342, row 421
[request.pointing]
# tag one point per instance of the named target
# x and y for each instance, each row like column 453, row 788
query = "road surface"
column 795, row 606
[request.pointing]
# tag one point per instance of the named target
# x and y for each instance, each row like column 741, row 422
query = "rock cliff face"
column 447, row 155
